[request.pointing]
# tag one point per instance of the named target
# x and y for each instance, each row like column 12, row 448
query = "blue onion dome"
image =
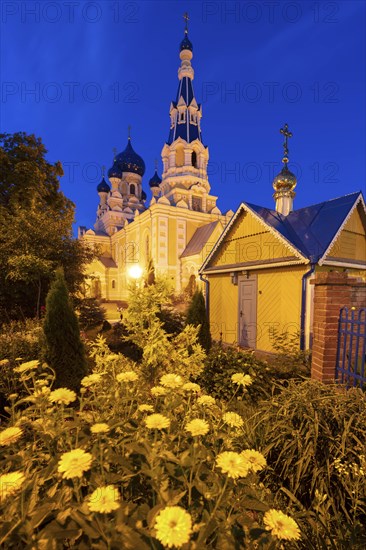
column 115, row 171
column 186, row 44
column 143, row 195
column 284, row 180
column 129, row 161
column 103, row 187
column 155, row 180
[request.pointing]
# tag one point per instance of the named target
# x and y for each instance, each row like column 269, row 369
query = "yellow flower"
column 255, row 460
column 90, row 380
column 173, row 526
column 171, row 381
column 4, row 362
column 158, row 390
column 233, row 420
column 232, row 464
column 24, row 367
column 62, row 396
column 191, row 386
column 100, row 428
column 10, row 483
column 197, row 427
column 281, row 526
column 242, row 379
column 74, row 463
column 104, row 500
column 206, row 401
column 10, row 435
column 145, row 408
column 157, row 422
column 128, row 376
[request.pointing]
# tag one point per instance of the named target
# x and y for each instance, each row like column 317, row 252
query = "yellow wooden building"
column 177, row 228
column 259, row 270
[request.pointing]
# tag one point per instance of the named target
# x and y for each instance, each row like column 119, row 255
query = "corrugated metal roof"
column 199, row 239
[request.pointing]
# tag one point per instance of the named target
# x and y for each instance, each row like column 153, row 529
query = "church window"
column 132, row 189
column 179, row 157
column 194, row 159
column 197, row 204
column 113, row 284
column 182, row 116
column 147, row 247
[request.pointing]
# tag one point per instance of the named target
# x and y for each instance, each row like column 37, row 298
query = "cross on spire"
column 185, row 16
column 103, row 170
column 285, row 132
column 114, row 153
column 156, row 164
column 129, row 132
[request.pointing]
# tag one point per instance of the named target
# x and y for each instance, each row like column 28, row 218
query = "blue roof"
column 311, row 229
column 186, row 44
column 127, row 161
column 187, row 131
column 103, row 187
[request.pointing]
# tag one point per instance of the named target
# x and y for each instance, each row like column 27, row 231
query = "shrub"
column 18, row 341
column 197, row 316
column 64, row 349
column 91, row 314
column 313, row 437
column 268, row 378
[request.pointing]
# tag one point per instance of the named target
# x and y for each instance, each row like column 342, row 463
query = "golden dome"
column 285, row 180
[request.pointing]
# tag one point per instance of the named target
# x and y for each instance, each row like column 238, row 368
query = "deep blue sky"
column 297, row 62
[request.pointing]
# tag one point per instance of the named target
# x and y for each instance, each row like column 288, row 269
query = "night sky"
column 78, row 73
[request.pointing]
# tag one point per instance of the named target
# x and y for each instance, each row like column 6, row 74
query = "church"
column 176, row 229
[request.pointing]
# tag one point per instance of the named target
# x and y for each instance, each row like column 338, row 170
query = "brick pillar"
column 332, row 292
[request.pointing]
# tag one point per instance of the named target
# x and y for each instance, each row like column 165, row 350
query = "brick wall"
column 332, row 292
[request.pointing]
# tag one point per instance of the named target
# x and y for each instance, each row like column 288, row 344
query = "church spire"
column 285, row 182
column 185, row 112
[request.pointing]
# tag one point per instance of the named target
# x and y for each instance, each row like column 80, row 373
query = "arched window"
column 113, row 284
column 194, row 159
column 132, row 189
column 147, row 248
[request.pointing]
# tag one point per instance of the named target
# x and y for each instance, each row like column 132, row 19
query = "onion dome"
column 127, row 161
column 284, row 180
column 155, row 181
column 115, row 171
column 103, row 187
column 186, row 44
column 130, row 161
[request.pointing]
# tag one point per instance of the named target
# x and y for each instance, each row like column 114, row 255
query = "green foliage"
column 91, row 313
column 287, row 347
column 313, row 436
column 268, row 378
column 19, row 341
column 36, row 228
column 64, row 349
column 161, row 352
column 197, row 316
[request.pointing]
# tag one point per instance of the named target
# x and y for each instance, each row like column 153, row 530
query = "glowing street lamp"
column 135, row 272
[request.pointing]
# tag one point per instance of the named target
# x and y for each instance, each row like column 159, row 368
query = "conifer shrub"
column 64, row 349
column 197, row 315
column 91, row 314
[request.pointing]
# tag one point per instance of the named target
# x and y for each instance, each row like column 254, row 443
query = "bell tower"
column 184, row 180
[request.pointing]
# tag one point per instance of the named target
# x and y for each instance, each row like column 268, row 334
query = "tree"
column 36, row 227
column 64, row 349
column 197, row 315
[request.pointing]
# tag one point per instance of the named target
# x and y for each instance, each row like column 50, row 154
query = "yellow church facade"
column 177, row 228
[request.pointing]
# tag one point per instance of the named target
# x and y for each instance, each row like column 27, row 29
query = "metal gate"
column 351, row 348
